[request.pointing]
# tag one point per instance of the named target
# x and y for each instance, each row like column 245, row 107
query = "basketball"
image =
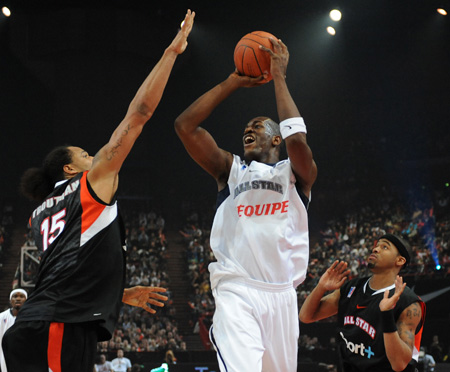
column 249, row 59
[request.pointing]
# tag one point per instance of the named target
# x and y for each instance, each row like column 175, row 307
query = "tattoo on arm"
column 408, row 322
column 115, row 149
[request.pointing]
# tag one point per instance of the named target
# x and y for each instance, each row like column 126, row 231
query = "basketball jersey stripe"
column 55, row 338
column 96, row 216
column 211, row 337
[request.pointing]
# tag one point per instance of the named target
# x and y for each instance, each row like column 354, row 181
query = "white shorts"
column 255, row 326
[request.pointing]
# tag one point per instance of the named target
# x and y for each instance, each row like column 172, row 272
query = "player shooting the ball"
column 260, row 231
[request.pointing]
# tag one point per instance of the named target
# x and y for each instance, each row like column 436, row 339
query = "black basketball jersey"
column 82, row 263
column 361, row 343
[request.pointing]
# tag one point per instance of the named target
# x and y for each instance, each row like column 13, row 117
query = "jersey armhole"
column 94, row 195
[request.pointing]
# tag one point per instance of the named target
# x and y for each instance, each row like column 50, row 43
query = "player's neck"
column 382, row 280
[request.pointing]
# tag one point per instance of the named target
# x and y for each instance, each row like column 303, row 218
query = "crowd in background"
column 138, row 330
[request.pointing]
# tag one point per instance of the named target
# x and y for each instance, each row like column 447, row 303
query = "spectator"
column 103, row 365
column 426, row 361
column 121, row 363
column 7, row 318
column 436, row 349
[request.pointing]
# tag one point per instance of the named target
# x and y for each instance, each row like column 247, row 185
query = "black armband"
column 388, row 322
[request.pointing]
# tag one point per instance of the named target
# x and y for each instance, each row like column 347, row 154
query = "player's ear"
column 276, row 140
column 400, row 261
column 69, row 169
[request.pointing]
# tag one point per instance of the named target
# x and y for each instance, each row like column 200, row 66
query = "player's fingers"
column 283, row 45
column 148, row 309
column 157, row 289
column 155, row 302
column 268, row 50
column 334, row 264
column 157, row 296
column 341, row 266
column 346, row 273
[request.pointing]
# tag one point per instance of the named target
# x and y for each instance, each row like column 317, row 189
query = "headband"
column 401, row 245
column 16, row 291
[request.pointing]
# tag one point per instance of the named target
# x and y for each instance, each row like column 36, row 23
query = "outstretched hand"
column 141, row 296
column 279, row 57
column 335, row 276
column 180, row 43
column 388, row 303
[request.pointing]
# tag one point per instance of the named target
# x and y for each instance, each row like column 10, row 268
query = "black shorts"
column 38, row 346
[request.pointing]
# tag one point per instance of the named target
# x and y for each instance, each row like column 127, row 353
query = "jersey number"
column 51, row 230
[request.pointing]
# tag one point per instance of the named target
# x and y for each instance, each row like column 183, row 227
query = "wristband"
column 291, row 126
column 387, row 322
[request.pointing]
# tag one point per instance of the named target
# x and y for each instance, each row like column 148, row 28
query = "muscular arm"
column 103, row 175
column 316, row 306
column 399, row 345
column 299, row 152
column 198, row 142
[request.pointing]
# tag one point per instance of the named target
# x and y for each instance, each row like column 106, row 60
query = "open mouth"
column 248, row 139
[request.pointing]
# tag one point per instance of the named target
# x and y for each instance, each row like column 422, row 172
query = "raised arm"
column 299, row 152
column 103, row 175
column 198, row 142
column 317, row 306
column 399, row 342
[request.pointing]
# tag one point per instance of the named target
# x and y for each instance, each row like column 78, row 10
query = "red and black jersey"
column 361, row 342
column 82, row 268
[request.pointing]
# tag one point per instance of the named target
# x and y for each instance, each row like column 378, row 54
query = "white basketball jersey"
column 260, row 231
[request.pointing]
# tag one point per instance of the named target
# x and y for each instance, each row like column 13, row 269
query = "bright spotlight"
column 6, row 11
column 438, row 267
column 442, row 11
column 331, row 30
column 335, row 15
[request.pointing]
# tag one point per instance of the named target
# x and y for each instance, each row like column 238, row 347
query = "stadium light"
column 442, row 11
column 6, row 12
column 331, row 30
column 335, row 15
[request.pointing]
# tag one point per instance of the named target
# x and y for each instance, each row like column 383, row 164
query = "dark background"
column 375, row 97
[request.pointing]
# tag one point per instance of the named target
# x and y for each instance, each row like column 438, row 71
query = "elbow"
column 180, row 127
column 304, row 318
column 306, row 321
column 400, row 365
column 143, row 111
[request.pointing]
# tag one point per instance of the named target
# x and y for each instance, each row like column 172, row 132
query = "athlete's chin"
column 371, row 265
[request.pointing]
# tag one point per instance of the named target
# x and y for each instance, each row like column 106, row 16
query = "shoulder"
column 408, row 297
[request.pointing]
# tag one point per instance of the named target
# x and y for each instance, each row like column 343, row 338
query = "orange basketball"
column 249, row 59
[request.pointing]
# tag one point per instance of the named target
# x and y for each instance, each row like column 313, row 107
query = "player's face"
column 81, row 160
column 17, row 300
column 384, row 255
column 257, row 139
